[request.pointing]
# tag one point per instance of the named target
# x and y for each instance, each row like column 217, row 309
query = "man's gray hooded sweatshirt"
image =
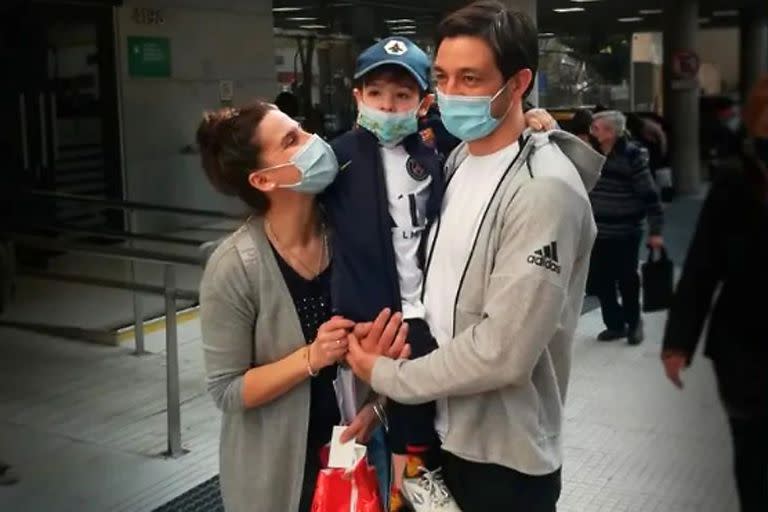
column 504, row 375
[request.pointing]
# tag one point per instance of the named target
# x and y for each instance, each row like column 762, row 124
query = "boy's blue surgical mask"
column 389, row 127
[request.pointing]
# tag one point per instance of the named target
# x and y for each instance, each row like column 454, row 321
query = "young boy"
column 390, row 186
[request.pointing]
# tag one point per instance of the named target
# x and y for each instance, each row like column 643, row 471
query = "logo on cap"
column 395, row 47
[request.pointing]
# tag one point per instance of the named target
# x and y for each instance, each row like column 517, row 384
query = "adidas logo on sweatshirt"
column 546, row 257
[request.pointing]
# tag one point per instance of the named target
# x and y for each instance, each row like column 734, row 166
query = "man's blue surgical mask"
column 389, row 127
column 469, row 117
column 317, row 164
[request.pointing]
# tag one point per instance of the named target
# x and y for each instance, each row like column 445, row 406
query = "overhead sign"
column 149, row 57
column 685, row 64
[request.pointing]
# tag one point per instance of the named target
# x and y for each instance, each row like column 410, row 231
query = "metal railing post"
column 138, row 315
column 172, row 365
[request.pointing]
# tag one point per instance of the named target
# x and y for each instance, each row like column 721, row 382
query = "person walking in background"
column 730, row 251
column 623, row 198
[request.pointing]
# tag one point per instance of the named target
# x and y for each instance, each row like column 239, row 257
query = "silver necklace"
column 321, row 258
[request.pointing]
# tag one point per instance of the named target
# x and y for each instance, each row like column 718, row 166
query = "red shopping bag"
column 340, row 490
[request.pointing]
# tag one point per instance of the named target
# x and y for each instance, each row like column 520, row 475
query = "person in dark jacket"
column 623, row 198
column 729, row 251
column 389, row 189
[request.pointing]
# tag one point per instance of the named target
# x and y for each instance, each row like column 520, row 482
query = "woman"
column 271, row 345
column 623, row 198
column 729, row 251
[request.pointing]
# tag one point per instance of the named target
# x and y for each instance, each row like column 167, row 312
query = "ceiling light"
column 631, row 19
column 725, row 14
column 400, row 21
column 405, row 33
column 313, row 27
column 584, row 1
column 403, row 27
column 651, row 11
column 547, row 34
column 569, row 9
column 300, row 18
column 288, row 9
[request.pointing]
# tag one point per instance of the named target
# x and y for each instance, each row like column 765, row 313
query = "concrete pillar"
column 754, row 44
column 528, row 7
column 681, row 96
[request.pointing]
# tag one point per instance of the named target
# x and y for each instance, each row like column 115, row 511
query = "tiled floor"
column 85, row 425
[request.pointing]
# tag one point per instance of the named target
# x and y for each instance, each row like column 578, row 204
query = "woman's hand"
column 362, row 426
column 539, row 120
column 330, row 345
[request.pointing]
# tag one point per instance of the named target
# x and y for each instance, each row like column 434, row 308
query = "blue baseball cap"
column 398, row 51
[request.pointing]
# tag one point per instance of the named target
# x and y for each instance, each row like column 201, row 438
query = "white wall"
column 160, row 115
column 719, row 47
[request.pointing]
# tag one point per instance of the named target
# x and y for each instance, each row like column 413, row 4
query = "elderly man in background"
column 624, row 197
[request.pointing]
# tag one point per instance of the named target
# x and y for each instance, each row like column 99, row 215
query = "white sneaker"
column 428, row 493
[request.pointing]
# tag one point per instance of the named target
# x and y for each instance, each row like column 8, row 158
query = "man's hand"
column 539, row 120
column 362, row 426
column 359, row 360
column 386, row 335
column 673, row 365
column 656, row 242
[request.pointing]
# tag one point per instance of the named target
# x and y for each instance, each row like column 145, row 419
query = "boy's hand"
column 539, row 120
column 362, row 426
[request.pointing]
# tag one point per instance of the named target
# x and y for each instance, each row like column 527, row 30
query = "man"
column 506, row 267
column 623, row 198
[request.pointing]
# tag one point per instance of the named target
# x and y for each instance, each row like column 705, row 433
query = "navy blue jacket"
column 365, row 279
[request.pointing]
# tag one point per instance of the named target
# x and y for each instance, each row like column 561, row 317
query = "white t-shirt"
column 408, row 189
column 451, row 240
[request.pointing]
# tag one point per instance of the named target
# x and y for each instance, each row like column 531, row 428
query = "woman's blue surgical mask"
column 469, row 117
column 317, row 164
column 389, row 127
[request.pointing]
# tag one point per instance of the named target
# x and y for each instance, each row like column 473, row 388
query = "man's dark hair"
column 511, row 35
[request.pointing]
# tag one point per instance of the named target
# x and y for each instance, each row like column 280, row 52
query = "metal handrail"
column 168, row 290
column 189, row 295
column 120, row 253
column 106, row 233
column 133, row 205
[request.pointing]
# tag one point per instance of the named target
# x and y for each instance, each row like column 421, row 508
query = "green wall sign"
column 149, row 57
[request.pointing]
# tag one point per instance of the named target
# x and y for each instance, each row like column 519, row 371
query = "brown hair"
column 229, row 153
column 757, row 105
